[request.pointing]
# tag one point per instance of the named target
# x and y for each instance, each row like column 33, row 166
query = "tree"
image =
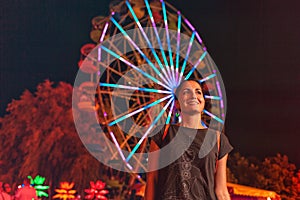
column 39, row 137
column 230, row 176
column 280, row 176
column 242, row 169
column 273, row 173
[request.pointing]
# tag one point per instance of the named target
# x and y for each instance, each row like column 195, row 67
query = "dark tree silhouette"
column 274, row 173
column 38, row 136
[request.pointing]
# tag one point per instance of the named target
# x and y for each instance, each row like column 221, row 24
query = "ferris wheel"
column 141, row 52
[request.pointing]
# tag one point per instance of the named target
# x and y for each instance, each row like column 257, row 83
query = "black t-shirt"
column 191, row 175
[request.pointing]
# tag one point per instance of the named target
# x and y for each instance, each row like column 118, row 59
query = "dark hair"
column 203, row 87
column 184, row 81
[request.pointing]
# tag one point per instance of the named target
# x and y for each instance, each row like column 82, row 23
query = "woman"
column 189, row 176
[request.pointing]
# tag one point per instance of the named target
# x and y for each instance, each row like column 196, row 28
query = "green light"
column 37, row 183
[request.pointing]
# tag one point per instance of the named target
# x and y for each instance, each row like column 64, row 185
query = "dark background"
column 254, row 43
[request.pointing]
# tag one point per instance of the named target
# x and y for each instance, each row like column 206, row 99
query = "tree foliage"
column 39, row 137
column 274, row 173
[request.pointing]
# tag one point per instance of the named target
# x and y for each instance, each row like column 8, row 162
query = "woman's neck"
column 191, row 121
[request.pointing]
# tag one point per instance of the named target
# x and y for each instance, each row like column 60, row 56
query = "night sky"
column 255, row 44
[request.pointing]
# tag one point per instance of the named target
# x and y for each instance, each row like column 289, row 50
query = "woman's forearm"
column 150, row 186
column 222, row 194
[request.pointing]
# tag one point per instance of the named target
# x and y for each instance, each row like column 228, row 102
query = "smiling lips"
column 193, row 102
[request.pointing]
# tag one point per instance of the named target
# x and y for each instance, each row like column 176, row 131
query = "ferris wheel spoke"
column 125, row 95
column 200, row 40
column 168, row 38
column 213, row 116
column 178, row 45
column 134, row 88
column 120, row 150
column 156, row 34
column 139, row 110
column 128, row 111
column 186, row 57
column 149, row 129
column 113, row 70
column 212, row 97
column 208, row 77
column 195, row 66
column 134, row 67
column 101, row 40
column 139, row 50
column 148, row 42
column 131, row 133
column 170, row 113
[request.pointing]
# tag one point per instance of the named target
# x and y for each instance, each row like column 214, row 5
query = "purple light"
column 199, row 39
column 99, row 54
column 138, row 49
column 222, row 104
column 120, row 150
column 134, row 88
column 186, row 56
column 178, row 46
column 189, row 24
column 148, row 131
column 219, row 89
column 170, row 113
column 214, row 71
column 213, row 116
column 104, row 32
column 156, row 34
column 105, row 114
column 149, row 44
column 139, row 110
column 220, row 93
column 169, row 45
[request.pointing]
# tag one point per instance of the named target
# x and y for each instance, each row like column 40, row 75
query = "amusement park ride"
column 140, row 53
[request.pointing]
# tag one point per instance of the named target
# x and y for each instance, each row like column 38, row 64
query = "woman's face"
column 190, row 98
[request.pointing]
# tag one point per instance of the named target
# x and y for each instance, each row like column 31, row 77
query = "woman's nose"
column 194, row 95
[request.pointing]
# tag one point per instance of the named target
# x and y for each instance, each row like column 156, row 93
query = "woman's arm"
column 220, row 180
column 152, row 174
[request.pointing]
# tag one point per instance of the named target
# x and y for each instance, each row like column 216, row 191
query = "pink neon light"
column 220, row 93
column 199, row 39
column 189, row 24
column 104, row 32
